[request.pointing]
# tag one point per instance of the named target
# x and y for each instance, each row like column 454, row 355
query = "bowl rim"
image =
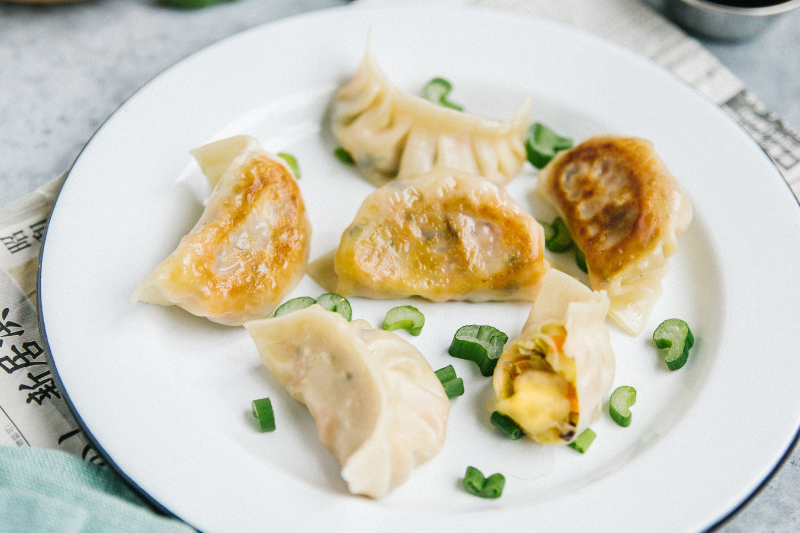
column 764, row 11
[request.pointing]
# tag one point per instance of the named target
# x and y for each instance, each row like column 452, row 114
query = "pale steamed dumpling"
column 392, row 134
column 553, row 378
column 249, row 248
column 378, row 405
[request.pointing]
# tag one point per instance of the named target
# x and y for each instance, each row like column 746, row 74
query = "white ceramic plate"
column 167, row 395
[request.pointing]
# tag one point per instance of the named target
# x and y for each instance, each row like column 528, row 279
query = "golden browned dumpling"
column 445, row 235
column 624, row 210
column 249, row 248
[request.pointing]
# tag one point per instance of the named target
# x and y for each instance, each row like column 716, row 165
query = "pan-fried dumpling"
column 392, row 134
column 553, row 378
column 624, row 210
column 445, row 235
column 249, row 248
column 378, row 405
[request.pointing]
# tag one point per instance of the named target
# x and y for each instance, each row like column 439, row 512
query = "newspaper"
column 32, row 410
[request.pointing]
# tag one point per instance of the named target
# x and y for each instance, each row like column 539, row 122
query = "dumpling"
column 249, row 248
column 378, row 406
column 445, row 235
column 624, row 210
column 553, row 378
column 392, row 134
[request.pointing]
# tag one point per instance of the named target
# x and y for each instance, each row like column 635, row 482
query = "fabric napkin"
column 44, row 491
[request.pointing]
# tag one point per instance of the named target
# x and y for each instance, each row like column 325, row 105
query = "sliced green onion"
column 294, row 304
column 674, row 334
column 446, row 373
column 507, row 425
column 583, row 441
column 338, row 304
column 437, row 90
column 344, row 156
column 480, row 344
column 580, row 260
column 557, row 239
column 262, row 410
column 404, row 317
column 292, row 163
column 454, row 387
column 484, row 487
column 542, row 144
column 619, row 407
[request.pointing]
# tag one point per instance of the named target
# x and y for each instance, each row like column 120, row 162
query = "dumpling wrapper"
column 251, row 245
column 445, row 235
column 552, row 380
column 625, row 211
column 378, row 405
column 392, row 134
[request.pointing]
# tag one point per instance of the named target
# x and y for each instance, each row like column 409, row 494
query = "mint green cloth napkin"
column 44, row 491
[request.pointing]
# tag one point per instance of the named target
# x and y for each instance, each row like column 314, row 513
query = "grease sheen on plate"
column 167, row 395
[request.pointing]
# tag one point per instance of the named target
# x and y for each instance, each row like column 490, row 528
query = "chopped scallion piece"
column 454, row 387
column 485, row 487
column 580, row 260
column 262, row 410
column 507, row 425
column 291, row 161
column 446, row 373
column 542, row 144
column 480, row 344
column 583, row 441
column 619, row 407
column 558, row 239
column 294, row 304
column 674, row 334
column 404, row 317
column 437, row 90
column 344, row 156
column 338, row 304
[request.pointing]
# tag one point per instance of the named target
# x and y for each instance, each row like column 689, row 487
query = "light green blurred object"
column 49, row 490
column 192, row 4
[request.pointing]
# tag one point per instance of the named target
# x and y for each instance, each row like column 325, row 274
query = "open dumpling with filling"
column 249, row 248
column 378, row 405
column 553, row 378
column 625, row 211
column 393, row 134
column 445, row 235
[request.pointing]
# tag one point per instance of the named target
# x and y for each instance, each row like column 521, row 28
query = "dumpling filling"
column 553, row 378
column 537, row 386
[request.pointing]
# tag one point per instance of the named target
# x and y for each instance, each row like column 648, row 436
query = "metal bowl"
column 720, row 22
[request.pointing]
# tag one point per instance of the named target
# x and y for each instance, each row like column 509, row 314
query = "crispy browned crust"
column 610, row 192
column 421, row 249
column 261, row 270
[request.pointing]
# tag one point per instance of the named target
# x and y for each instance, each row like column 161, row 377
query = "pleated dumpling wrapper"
column 445, row 235
column 250, row 247
column 625, row 211
column 553, row 378
column 392, row 134
column 377, row 403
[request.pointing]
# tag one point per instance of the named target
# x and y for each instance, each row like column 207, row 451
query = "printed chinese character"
column 43, row 388
column 7, row 327
column 23, row 359
column 38, row 229
column 16, row 242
